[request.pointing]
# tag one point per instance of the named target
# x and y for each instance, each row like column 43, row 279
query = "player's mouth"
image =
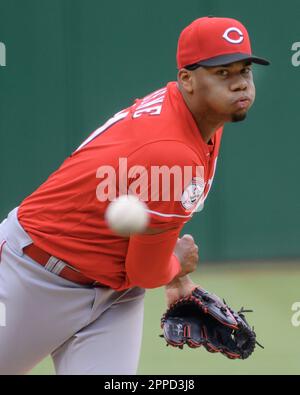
column 243, row 103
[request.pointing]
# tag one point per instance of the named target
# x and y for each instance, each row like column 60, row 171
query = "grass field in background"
column 269, row 289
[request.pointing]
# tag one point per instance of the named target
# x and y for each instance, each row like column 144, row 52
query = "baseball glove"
column 202, row 319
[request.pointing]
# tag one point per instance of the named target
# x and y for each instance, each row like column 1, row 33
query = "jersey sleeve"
column 150, row 262
column 169, row 177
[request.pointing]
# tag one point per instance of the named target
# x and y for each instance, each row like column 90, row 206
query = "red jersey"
column 65, row 215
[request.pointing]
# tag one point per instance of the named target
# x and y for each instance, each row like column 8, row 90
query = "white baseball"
column 127, row 215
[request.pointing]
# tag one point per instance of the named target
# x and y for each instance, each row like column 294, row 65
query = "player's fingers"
column 188, row 238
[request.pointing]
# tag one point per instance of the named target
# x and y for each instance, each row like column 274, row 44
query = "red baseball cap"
column 212, row 41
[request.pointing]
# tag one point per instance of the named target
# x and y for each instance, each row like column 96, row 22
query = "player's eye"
column 247, row 70
column 223, row 72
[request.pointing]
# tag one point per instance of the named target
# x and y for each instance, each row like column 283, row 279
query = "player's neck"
column 207, row 123
column 207, row 128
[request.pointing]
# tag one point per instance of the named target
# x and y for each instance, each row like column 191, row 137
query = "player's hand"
column 187, row 253
column 178, row 288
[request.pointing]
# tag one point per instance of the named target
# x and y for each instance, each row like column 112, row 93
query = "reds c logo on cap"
column 232, row 40
column 214, row 41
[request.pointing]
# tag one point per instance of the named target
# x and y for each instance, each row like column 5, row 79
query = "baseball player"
column 73, row 288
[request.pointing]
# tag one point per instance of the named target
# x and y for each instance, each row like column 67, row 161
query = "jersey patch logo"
column 193, row 193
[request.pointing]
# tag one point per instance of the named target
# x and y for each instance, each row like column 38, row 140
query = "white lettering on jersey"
column 149, row 104
column 156, row 110
column 116, row 118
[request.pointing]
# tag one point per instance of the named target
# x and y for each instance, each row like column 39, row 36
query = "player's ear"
column 185, row 80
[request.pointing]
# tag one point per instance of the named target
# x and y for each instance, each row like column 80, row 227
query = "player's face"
column 226, row 91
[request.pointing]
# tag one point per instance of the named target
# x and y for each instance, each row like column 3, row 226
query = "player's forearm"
column 150, row 262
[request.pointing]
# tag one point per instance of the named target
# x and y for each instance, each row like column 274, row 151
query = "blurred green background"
column 269, row 289
column 71, row 64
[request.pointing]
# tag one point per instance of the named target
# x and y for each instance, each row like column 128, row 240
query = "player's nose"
column 239, row 84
